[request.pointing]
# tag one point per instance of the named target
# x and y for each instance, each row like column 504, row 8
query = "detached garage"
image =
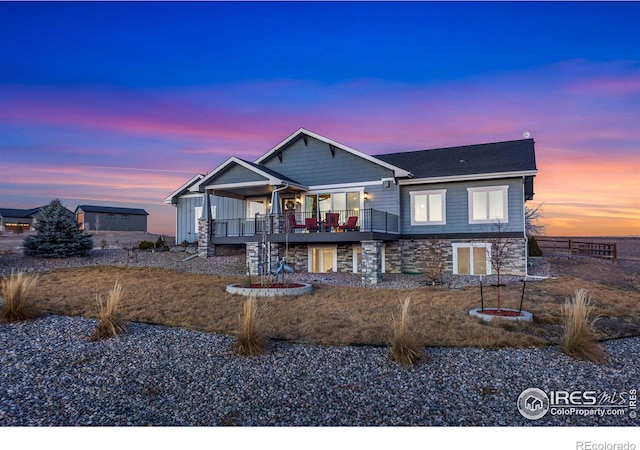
column 108, row 218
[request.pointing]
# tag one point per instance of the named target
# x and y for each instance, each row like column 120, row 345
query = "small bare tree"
column 501, row 250
column 434, row 263
column 97, row 222
column 531, row 220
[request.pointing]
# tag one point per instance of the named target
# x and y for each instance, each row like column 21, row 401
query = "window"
column 345, row 203
column 428, row 207
column 488, row 204
column 472, row 259
column 111, row 216
column 255, row 207
column 323, row 259
column 125, row 216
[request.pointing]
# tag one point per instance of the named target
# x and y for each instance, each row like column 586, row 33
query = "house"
column 327, row 207
column 108, row 218
column 26, row 219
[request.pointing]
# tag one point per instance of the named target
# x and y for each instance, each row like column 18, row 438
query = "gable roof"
column 508, row 158
column 18, row 213
column 183, row 189
column 398, row 171
column 111, row 210
column 271, row 176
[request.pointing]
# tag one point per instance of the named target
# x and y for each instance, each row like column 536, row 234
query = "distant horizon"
column 119, row 103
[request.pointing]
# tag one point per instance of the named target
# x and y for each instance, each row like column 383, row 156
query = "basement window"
column 472, row 259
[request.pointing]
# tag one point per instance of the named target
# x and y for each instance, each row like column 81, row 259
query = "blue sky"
column 120, row 103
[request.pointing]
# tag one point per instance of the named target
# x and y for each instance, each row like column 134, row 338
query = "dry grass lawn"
column 336, row 315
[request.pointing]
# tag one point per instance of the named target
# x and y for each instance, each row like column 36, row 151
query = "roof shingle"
column 497, row 157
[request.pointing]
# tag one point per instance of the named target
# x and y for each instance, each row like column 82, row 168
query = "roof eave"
column 471, row 177
column 182, row 189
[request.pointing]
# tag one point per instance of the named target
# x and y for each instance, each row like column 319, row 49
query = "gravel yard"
column 52, row 375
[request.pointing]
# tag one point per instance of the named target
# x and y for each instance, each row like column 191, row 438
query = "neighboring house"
column 109, row 218
column 328, row 207
column 11, row 218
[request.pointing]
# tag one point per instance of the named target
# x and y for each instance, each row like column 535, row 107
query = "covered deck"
column 329, row 226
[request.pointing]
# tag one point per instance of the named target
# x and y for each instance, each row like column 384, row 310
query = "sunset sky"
column 119, row 104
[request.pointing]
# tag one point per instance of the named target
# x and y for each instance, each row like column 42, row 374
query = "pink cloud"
column 585, row 132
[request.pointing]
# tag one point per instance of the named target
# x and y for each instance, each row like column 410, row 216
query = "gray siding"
column 314, row 165
column 237, row 174
column 457, row 211
column 186, row 218
column 226, row 208
column 384, row 198
column 229, row 208
column 115, row 222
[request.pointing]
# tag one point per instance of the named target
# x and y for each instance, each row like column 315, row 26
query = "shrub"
column 435, row 263
column 404, row 348
column 534, row 248
column 103, row 244
column 184, row 243
column 579, row 339
column 159, row 242
column 248, row 340
column 145, row 245
column 18, row 229
column 15, row 292
column 109, row 325
column 57, row 235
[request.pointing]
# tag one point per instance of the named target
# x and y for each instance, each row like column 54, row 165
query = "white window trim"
column 471, row 245
column 310, row 259
column 331, row 192
column 443, row 194
column 505, row 204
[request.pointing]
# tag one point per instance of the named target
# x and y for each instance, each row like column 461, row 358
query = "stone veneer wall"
column 205, row 247
column 413, row 254
column 371, row 262
column 400, row 256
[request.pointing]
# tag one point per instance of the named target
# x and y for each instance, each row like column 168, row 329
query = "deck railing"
column 368, row 220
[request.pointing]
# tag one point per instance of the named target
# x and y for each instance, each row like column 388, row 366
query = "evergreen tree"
column 57, row 235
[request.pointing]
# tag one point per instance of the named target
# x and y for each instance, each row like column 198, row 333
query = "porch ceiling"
column 246, row 191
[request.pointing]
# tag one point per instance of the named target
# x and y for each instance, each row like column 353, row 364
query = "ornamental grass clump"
column 404, row 347
column 579, row 339
column 15, row 292
column 249, row 341
column 110, row 325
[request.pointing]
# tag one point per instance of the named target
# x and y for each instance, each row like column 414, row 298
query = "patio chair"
column 311, row 223
column 294, row 225
column 332, row 220
column 351, row 225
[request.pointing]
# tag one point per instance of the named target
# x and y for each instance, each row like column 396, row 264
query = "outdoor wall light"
column 366, row 196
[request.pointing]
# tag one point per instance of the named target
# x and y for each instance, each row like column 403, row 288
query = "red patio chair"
column 294, row 225
column 332, row 220
column 311, row 223
column 351, row 225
